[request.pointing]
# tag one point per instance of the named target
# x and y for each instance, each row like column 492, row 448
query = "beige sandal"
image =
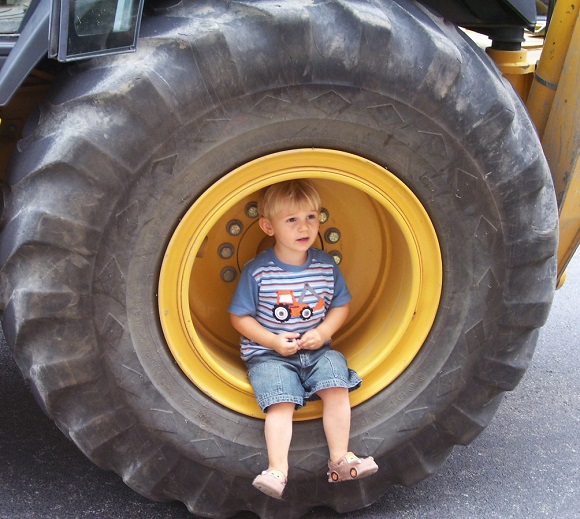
column 351, row 467
column 271, row 482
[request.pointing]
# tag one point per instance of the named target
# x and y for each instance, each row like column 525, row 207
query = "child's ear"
column 266, row 226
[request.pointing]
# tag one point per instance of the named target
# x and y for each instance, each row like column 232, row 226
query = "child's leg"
column 336, row 420
column 343, row 465
column 278, row 431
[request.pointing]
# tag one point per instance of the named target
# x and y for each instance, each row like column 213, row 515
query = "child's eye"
column 291, row 220
column 312, row 216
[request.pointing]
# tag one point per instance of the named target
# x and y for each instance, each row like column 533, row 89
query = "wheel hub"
column 372, row 224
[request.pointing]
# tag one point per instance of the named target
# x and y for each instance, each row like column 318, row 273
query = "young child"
column 289, row 302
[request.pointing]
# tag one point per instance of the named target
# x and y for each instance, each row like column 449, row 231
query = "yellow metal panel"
column 551, row 62
column 561, row 142
column 569, row 222
column 516, row 68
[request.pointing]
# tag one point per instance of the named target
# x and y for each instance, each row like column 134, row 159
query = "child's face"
column 295, row 230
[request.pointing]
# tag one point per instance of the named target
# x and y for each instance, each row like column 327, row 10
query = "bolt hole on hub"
column 371, row 223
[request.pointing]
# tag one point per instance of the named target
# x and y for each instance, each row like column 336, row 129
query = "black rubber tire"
column 126, row 144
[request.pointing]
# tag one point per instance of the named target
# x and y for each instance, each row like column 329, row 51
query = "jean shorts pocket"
column 338, row 365
column 265, row 379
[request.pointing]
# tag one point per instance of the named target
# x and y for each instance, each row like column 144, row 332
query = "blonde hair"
column 290, row 193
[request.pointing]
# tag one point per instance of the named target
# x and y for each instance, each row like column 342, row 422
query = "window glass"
column 94, row 27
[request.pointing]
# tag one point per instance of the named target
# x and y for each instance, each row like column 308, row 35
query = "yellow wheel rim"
column 374, row 226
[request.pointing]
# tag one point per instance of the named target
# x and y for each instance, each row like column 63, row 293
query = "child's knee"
column 281, row 407
column 335, row 393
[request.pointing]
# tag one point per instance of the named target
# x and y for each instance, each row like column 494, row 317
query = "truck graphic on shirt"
column 288, row 306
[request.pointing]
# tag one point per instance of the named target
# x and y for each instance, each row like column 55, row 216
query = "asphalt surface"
column 526, row 464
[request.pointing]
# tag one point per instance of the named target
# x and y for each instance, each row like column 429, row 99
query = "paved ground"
column 526, row 464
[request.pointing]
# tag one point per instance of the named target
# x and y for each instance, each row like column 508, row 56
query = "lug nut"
column 332, row 235
column 336, row 255
column 235, row 227
column 252, row 210
column 228, row 274
column 226, row 250
column 323, row 215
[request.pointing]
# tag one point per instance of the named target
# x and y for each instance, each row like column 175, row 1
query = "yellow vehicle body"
column 550, row 90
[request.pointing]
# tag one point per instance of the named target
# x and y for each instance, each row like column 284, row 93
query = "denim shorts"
column 299, row 377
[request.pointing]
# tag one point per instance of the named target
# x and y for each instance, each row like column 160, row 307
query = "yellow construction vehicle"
column 136, row 137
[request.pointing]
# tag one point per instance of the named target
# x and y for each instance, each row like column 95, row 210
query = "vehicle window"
column 84, row 28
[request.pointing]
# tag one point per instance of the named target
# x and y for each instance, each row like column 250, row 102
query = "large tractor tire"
column 131, row 209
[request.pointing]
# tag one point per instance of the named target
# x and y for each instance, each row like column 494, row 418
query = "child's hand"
column 286, row 343
column 311, row 340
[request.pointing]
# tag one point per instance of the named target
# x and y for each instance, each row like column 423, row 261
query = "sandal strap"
column 351, row 467
column 278, row 474
column 271, row 482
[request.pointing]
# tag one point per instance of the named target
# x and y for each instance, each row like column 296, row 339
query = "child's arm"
column 315, row 338
column 284, row 343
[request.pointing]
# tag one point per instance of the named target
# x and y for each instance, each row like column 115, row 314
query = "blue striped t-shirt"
column 287, row 298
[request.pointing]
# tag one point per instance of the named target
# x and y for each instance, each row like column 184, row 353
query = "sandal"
column 351, row 467
column 271, row 482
